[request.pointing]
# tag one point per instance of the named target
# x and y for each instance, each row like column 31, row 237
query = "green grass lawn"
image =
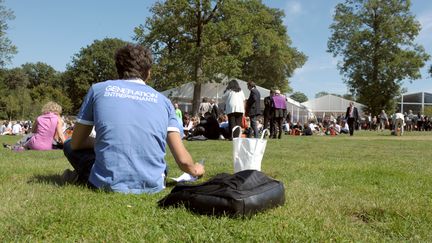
column 370, row 187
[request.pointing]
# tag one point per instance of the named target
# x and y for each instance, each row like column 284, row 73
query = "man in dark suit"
column 268, row 123
column 253, row 109
column 352, row 117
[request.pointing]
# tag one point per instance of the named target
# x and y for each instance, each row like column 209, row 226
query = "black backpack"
column 241, row 194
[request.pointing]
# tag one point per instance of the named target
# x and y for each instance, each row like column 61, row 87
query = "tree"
column 15, row 78
column 321, row 94
column 199, row 40
column 43, row 93
column 348, row 97
column 41, row 73
column 7, row 50
column 45, row 84
column 22, row 94
column 375, row 39
column 94, row 63
column 18, row 104
column 273, row 60
column 299, row 97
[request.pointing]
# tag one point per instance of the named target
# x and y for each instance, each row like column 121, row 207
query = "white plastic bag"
column 248, row 152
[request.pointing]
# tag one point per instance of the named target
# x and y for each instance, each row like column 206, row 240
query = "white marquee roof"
column 210, row 90
column 330, row 103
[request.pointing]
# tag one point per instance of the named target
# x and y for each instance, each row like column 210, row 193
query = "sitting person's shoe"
column 70, row 176
column 5, row 145
column 18, row 148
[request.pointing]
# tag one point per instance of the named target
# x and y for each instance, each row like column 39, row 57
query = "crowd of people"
column 214, row 122
column 411, row 121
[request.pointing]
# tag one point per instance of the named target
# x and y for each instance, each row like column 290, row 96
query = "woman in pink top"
column 47, row 127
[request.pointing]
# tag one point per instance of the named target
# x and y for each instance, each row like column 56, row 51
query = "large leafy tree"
column 25, row 89
column 41, row 73
column 7, row 49
column 299, row 97
column 15, row 78
column 375, row 40
column 44, row 93
column 45, row 84
column 199, row 40
column 94, row 63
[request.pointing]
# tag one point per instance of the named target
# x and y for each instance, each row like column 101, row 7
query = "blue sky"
column 52, row 31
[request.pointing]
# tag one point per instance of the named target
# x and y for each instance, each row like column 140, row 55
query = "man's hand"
column 198, row 170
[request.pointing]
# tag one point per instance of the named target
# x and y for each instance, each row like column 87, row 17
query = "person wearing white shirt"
column 337, row 128
column 2, row 128
column 234, row 100
column 344, row 128
column 16, row 129
column 399, row 123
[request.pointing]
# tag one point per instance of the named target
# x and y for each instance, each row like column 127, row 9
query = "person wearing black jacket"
column 253, row 109
column 352, row 117
column 268, row 123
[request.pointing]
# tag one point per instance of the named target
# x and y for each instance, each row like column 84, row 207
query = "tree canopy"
column 321, row 94
column 24, row 90
column 299, row 97
column 41, row 73
column 375, row 40
column 199, row 40
column 94, row 63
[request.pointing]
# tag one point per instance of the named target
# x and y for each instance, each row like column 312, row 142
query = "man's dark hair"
column 251, row 84
column 233, row 85
column 133, row 61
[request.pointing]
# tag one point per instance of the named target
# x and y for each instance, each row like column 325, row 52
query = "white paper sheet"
column 185, row 177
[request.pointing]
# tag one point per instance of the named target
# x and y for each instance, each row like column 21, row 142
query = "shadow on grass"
column 53, row 179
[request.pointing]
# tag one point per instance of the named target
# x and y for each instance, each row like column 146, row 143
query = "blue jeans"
column 81, row 160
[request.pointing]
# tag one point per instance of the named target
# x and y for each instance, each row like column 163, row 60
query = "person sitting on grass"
column 307, row 131
column 47, row 129
column 344, row 128
column 133, row 124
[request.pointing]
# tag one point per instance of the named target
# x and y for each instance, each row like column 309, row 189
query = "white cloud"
column 293, row 8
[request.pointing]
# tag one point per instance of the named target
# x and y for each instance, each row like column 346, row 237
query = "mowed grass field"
column 370, row 187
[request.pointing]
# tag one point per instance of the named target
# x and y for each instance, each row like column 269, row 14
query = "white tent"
column 299, row 112
column 331, row 104
column 415, row 101
column 184, row 93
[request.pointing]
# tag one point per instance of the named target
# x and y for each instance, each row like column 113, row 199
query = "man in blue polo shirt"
column 133, row 123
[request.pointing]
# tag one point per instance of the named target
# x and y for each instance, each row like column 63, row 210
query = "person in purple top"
column 133, row 124
column 279, row 112
column 47, row 127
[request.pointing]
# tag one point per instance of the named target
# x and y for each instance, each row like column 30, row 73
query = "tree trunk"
column 196, row 98
column 198, row 62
